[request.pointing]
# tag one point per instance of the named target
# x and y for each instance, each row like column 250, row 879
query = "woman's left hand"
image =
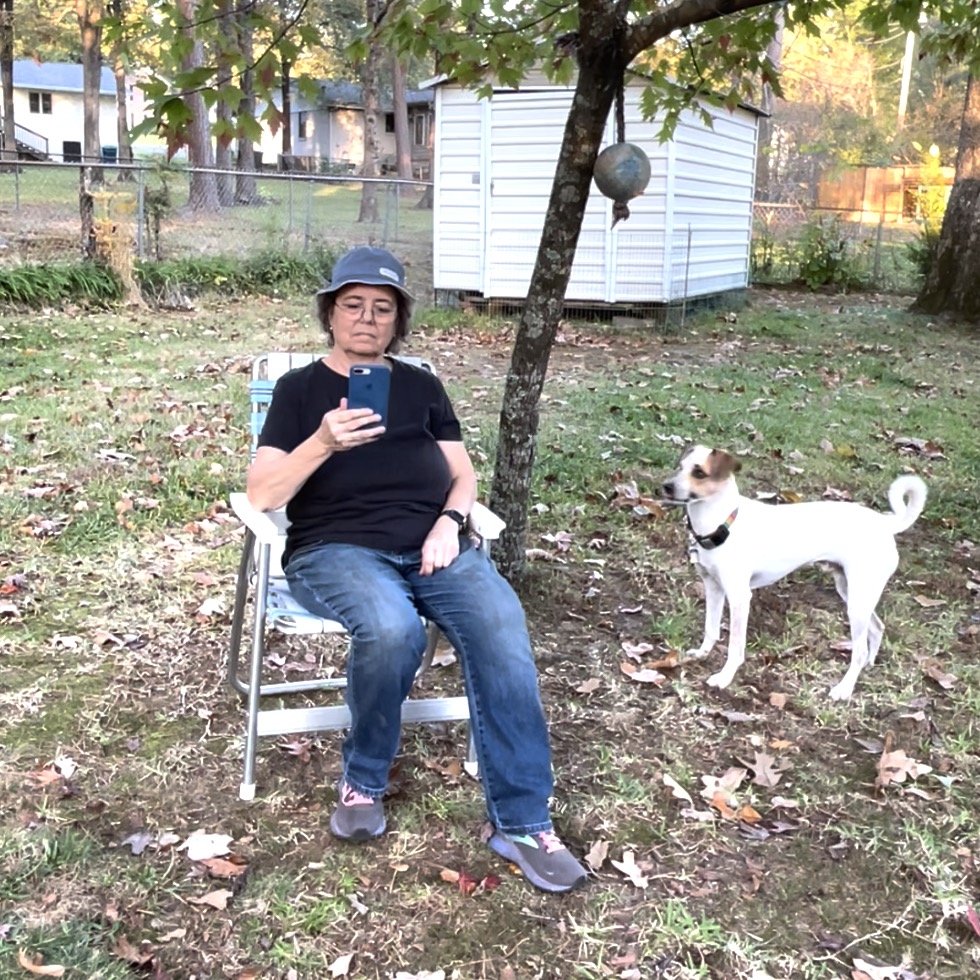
column 441, row 548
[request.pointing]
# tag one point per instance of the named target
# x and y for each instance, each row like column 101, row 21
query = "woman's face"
column 363, row 319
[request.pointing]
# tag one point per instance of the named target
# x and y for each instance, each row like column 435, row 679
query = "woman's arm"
column 441, row 546
column 275, row 475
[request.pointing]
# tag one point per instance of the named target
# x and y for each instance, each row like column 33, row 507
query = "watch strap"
column 456, row 516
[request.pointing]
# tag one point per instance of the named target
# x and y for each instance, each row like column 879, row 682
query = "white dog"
column 741, row 544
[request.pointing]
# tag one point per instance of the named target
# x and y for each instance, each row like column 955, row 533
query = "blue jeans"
column 378, row 596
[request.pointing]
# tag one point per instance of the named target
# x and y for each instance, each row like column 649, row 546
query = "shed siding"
column 457, row 207
column 688, row 235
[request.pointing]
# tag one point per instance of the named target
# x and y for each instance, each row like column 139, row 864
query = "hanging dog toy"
column 622, row 170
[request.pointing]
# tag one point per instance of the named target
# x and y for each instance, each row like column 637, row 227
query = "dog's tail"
column 907, row 496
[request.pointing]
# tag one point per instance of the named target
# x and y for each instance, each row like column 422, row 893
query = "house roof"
column 339, row 94
column 54, row 76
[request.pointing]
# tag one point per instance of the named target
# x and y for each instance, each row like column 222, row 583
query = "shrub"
column 54, row 284
column 827, row 257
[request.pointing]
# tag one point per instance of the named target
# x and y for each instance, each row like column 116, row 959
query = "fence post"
column 876, row 275
column 140, row 211
column 308, row 226
column 687, row 271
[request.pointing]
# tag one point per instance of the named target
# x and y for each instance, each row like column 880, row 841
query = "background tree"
column 8, row 148
column 371, row 102
column 399, row 106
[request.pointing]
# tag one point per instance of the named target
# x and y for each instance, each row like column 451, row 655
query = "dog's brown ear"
column 723, row 464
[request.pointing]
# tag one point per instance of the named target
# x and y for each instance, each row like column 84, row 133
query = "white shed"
column 688, row 236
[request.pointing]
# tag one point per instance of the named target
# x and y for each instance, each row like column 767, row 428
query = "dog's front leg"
column 738, row 614
column 714, row 606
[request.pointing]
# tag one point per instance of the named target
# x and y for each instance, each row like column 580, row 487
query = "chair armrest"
column 485, row 522
column 267, row 526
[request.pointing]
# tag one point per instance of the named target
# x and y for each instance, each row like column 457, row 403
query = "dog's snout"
column 668, row 488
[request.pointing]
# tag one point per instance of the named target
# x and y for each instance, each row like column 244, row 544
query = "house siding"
column 688, row 235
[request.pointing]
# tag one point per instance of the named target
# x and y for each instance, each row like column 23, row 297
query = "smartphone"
column 368, row 386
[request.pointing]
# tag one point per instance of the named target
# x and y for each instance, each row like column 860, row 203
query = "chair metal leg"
column 247, row 789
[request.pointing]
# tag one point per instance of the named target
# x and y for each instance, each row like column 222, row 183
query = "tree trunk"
column 600, row 70
column 124, row 145
column 763, row 158
column 369, row 83
column 403, row 140
column 8, row 149
column 287, row 110
column 227, row 39
column 89, row 13
column 951, row 285
column 246, row 191
column 203, row 190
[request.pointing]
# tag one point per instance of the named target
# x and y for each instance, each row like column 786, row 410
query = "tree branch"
column 644, row 33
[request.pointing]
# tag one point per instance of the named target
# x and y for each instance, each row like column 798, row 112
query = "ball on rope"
column 622, row 172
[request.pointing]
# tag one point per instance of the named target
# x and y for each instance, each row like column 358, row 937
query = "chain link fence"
column 147, row 210
column 792, row 242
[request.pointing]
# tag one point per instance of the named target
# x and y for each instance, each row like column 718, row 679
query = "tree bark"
column 8, row 149
column 371, row 167
column 246, row 190
column 951, row 284
column 601, row 66
column 228, row 35
column 89, row 13
column 124, row 145
column 403, row 140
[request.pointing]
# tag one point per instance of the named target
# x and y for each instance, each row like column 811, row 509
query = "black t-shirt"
column 384, row 495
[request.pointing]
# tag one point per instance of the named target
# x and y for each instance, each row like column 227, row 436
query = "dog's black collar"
column 718, row 536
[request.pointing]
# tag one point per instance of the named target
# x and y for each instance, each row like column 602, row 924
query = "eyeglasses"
column 382, row 312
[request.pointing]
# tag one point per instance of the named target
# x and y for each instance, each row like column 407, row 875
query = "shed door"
column 526, row 130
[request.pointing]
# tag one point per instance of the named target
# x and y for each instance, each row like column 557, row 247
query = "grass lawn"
column 758, row 832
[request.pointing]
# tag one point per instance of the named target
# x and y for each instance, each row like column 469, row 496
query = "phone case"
column 368, row 386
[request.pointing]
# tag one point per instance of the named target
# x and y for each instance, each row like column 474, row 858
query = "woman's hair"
column 325, row 303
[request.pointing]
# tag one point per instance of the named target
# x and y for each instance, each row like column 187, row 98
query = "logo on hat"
column 389, row 274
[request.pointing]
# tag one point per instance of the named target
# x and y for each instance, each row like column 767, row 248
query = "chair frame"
column 260, row 574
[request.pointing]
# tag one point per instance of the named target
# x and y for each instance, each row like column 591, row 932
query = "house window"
column 40, row 102
column 420, row 129
column 389, row 122
column 304, row 130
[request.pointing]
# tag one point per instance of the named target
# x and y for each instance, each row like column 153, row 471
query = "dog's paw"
column 719, row 680
column 841, row 692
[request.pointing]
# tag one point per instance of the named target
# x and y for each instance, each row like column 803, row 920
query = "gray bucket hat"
column 370, row 267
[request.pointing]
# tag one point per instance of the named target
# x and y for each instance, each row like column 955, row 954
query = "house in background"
column 48, row 116
column 328, row 132
column 689, row 235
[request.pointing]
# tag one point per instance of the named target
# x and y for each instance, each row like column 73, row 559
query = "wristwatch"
column 456, row 516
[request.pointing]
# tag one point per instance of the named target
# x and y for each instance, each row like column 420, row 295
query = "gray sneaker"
column 543, row 858
column 356, row 816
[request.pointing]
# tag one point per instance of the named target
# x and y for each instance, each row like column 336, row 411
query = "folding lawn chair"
column 260, row 575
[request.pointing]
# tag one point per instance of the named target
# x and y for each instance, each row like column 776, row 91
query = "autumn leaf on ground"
column 933, row 669
column 299, row 747
column 597, row 854
column 629, row 867
column 895, row 766
column 928, row 603
column 868, row 968
column 201, row 846
column 217, row 899
column 35, row 965
column 644, row 675
column 341, row 966
column 224, row 868
column 723, row 786
column 590, row 686
column 125, row 950
column 767, row 771
column 677, row 790
column 636, row 651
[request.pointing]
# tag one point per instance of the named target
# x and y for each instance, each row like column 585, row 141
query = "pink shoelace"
column 550, row 842
column 350, row 797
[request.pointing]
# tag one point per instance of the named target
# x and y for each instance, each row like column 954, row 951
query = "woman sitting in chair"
column 377, row 536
